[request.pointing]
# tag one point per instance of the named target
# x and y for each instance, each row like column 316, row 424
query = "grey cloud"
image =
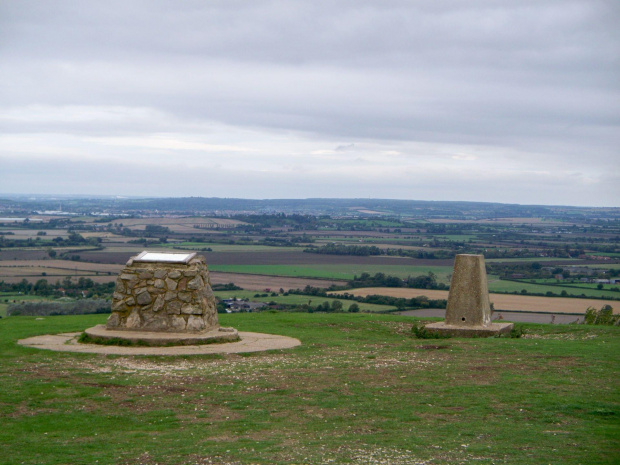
column 536, row 79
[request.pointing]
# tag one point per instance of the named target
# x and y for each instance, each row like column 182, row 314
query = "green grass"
column 359, row 390
column 334, row 271
column 293, row 299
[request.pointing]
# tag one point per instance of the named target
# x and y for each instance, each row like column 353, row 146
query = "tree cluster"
column 427, row 281
column 341, row 249
column 604, row 316
column 78, row 307
column 398, row 302
column 65, row 288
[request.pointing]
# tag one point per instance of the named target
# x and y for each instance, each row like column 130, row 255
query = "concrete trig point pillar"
column 468, row 313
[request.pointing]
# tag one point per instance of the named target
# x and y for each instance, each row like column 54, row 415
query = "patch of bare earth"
column 367, row 454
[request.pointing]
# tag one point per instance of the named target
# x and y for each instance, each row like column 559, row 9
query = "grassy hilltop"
column 359, row 390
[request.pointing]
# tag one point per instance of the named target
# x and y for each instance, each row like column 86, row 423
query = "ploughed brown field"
column 276, row 257
column 13, row 271
column 254, row 282
column 501, row 301
column 121, row 253
column 9, row 255
column 60, row 264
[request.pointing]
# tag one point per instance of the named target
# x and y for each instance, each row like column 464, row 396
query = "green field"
column 293, row 299
column 335, row 271
column 607, row 266
column 225, row 247
column 497, row 285
column 359, row 390
column 453, row 237
column 364, row 240
column 370, row 222
column 606, row 287
column 531, row 259
column 569, row 284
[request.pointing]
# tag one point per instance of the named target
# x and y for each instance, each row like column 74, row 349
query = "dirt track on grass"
column 501, row 301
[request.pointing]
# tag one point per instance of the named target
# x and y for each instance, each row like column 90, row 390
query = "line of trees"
column 341, row 249
column 66, row 287
column 398, row 302
column 368, row 250
column 78, row 307
column 426, row 281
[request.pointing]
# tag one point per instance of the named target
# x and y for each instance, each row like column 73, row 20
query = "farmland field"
column 33, row 233
column 534, row 248
column 501, row 301
column 185, row 224
column 60, row 265
column 345, row 272
column 261, row 282
column 545, row 260
column 534, row 221
column 501, row 285
column 232, row 248
column 293, row 299
column 11, row 274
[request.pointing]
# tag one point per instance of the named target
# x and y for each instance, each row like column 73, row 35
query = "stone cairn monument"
column 164, row 298
column 468, row 313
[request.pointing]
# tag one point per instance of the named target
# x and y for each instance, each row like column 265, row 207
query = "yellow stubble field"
column 501, row 301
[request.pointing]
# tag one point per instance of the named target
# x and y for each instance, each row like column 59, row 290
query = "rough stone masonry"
column 173, row 296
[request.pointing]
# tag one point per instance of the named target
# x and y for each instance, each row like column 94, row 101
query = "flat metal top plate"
column 164, row 257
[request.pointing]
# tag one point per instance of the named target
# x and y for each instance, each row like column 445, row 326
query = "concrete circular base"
column 249, row 342
column 100, row 333
column 493, row 329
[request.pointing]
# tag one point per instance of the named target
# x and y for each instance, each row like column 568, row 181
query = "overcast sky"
column 501, row 101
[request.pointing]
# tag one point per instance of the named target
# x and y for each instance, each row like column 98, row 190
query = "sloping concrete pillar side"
column 468, row 313
column 468, row 301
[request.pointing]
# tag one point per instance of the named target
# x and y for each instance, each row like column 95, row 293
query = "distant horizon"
column 50, row 197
